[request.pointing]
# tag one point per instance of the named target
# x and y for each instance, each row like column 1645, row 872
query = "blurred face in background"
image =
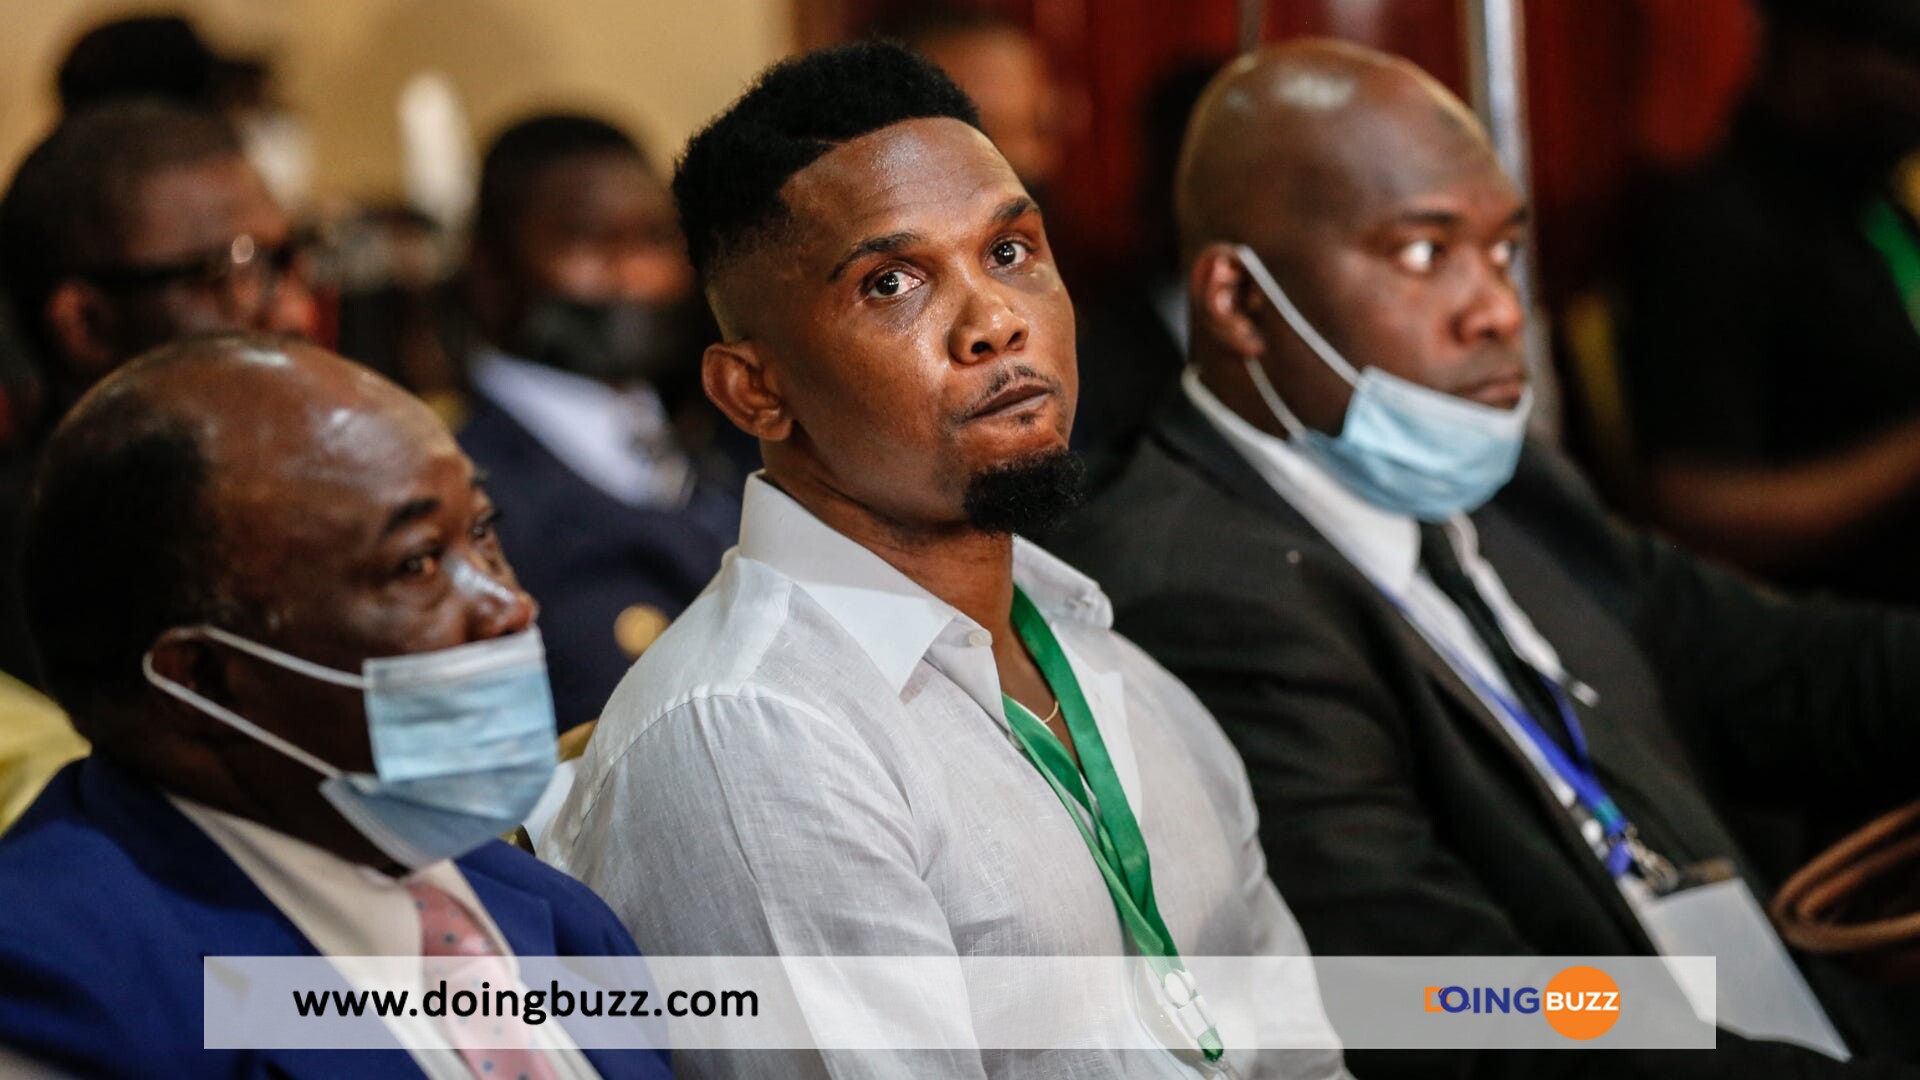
column 209, row 251
column 601, row 228
column 596, row 280
column 1002, row 70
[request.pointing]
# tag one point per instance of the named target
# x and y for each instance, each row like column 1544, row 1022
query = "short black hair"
column 519, row 154
column 727, row 185
column 73, row 203
column 144, row 56
column 119, row 544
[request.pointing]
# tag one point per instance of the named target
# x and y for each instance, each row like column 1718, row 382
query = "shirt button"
column 979, row 639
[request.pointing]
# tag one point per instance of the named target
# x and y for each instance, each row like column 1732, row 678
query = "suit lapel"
column 1641, row 763
column 1191, row 436
column 524, row 919
column 1187, row 434
column 225, row 910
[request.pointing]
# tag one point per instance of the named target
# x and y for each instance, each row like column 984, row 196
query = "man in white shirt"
column 1472, row 723
column 874, row 733
column 264, row 583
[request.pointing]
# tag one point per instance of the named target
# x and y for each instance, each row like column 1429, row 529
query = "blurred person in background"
column 586, row 309
column 266, row 585
column 997, row 62
column 132, row 224
column 1773, row 361
column 164, row 57
column 1133, row 320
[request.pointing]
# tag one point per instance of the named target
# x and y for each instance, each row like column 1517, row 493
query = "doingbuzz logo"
column 1580, row 1002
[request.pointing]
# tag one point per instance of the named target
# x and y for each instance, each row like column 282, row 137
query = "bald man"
column 1480, row 719
column 253, row 569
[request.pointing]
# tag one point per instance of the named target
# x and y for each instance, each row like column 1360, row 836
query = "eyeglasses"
column 244, row 273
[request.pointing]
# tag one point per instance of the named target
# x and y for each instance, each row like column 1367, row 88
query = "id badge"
column 1761, row 994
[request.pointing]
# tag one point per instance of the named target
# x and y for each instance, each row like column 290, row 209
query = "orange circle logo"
column 1581, row 1003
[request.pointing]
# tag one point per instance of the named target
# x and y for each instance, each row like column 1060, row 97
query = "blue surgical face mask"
column 1404, row 447
column 463, row 741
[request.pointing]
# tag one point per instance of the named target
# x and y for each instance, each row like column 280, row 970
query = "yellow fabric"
column 574, row 743
column 35, row 741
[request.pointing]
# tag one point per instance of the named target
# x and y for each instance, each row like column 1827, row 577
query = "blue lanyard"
column 1576, row 770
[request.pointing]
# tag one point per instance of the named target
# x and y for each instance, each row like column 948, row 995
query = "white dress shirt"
column 1385, row 548
column 814, row 761
column 617, row 439
column 347, row 909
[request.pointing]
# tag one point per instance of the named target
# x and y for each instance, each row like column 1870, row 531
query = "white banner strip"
column 948, row 1003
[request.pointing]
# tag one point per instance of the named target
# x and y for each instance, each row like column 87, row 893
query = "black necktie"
column 1529, row 687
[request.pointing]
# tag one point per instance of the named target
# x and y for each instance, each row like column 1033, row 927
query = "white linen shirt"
column 814, row 761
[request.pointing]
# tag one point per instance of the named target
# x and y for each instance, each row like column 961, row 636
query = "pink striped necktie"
column 458, row 950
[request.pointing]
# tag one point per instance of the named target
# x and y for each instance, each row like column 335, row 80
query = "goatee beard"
column 1026, row 497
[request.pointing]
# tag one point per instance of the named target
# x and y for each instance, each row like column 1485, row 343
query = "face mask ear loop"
column 1327, row 354
column 1271, row 396
column 232, row 719
column 292, row 663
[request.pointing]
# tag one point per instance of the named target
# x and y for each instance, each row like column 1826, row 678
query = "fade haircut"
column 119, row 544
column 75, row 202
column 522, row 153
column 728, row 182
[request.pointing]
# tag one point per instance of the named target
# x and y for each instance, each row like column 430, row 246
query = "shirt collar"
column 554, row 389
column 1383, row 545
column 891, row 617
column 344, row 908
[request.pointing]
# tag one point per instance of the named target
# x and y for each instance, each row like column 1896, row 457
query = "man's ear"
column 737, row 379
column 184, row 657
column 1224, row 301
column 85, row 328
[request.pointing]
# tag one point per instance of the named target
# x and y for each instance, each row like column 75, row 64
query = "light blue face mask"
column 463, row 741
column 1403, row 447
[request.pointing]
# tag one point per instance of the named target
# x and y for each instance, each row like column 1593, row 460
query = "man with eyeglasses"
column 132, row 224
column 136, row 223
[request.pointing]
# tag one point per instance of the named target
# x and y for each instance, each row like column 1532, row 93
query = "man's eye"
column 1419, row 256
column 487, row 527
column 1504, row 252
column 421, row 565
column 1010, row 253
column 893, row 283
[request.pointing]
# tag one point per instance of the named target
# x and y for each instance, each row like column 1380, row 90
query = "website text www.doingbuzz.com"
column 530, row 1006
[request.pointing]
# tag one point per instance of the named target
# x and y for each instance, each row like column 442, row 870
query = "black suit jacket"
column 1397, row 815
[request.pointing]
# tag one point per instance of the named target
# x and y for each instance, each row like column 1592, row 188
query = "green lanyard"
column 1894, row 240
column 1114, row 840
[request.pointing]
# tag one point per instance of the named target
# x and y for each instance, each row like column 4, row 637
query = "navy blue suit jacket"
column 586, row 556
column 110, row 897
